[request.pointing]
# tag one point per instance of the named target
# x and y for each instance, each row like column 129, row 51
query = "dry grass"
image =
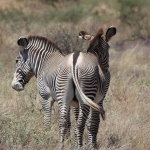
column 127, row 105
column 127, row 110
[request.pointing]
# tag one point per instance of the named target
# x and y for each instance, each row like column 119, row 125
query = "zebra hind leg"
column 80, row 125
column 63, row 124
column 92, row 126
column 68, row 124
column 76, row 113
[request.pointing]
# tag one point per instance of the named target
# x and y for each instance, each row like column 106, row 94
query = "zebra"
column 97, row 46
column 97, row 50
column 56, row 74
column 110, row 32
column 86, row 36
column 23, row 81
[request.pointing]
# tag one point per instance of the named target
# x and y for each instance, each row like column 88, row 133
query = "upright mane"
column 95, row 40
column 43, row 42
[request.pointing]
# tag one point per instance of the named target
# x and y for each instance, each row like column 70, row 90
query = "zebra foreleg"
column 47, row 105
column 46, row 101
column 92, row 126
column 47, row 116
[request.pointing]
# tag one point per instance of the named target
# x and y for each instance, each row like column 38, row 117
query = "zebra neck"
column 44, row 59
column 103, row 62
column 96, row 55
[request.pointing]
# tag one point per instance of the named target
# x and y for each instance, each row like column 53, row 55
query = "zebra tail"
column 101, row 74
column 103, row 80
column 84, row 98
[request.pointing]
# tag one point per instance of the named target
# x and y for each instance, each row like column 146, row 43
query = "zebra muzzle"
column 17, row 86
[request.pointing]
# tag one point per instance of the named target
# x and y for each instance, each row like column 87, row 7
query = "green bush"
column 136, row 13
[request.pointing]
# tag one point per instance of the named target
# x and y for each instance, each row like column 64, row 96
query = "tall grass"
column 127, row 109
column 127, row 102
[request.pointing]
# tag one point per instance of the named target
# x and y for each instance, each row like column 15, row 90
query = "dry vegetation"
column 127, row 104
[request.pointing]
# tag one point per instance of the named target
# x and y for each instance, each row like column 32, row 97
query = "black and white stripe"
column 100, row 48
column 53, row 71
column 40, row 57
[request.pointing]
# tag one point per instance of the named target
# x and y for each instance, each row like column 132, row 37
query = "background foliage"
column 135, row 14
column 127, row 102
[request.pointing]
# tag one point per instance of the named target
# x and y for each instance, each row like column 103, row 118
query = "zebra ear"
column 110, row 32
column 22, row 41
column 84, row 35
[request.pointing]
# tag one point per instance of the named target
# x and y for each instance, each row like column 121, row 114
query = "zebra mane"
column 43, row 42
column 98, row 43
column 95, row 40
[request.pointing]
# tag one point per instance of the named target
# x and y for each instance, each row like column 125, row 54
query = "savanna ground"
column 127, row 104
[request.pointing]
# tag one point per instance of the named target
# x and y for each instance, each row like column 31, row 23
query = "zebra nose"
column 17, row 86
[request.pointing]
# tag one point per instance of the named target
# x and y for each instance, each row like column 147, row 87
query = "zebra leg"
column 65, row 94
column 68, row 124
column 92, row 126
column 80, row 125
column 46, row 101
column 51, row 102
column 103, row 112
column 76, row 113
column 63, row 125
column 47, row 105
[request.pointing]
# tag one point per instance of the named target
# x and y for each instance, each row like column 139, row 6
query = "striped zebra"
column 98, row 50
column 47, row 107
column 110, row 32
column 60, row 77
column 99, row 47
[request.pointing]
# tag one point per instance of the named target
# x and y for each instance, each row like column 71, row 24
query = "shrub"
column 135, row 13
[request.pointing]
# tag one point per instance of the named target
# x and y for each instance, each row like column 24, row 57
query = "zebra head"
column 86, row 36
column 99, row 45
column 23, row 71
